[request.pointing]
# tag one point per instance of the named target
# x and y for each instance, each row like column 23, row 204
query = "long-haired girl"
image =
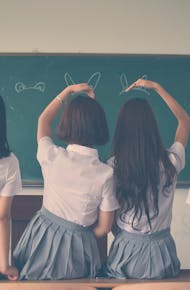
column 145, row 177
column 10, row 184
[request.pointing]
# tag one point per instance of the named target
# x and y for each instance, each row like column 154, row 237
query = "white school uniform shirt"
column 165, row 203
column 76, row 182
column 10, row 180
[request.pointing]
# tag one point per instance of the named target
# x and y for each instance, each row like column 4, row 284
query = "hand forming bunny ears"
column 40, row 86
column 125, row 84
column 92, row 81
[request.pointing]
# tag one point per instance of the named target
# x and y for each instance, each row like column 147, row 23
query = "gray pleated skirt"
column 143, row 256
column 53, row 248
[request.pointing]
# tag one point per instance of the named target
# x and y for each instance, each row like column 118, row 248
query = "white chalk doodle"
column 125, row 84
column 92, row 81
column 12, row 108
column 68, row 79
column 20, row 87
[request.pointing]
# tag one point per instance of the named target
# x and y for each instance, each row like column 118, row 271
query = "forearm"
column 53, row 108
column 104, row 224
column 4, row 244
column 174, row 106
column 100, row 232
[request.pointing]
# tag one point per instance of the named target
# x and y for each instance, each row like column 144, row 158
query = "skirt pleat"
column 53, row 248
column 143, row 256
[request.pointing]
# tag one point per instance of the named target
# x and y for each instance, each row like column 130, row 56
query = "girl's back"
column 163, row 219
column 77, row 183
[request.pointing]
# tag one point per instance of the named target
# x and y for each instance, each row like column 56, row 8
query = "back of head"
column 83, row 122
column 4, row 147
column 138, row 151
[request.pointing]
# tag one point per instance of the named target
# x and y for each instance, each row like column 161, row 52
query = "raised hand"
column 143, row 83
column 84, row 87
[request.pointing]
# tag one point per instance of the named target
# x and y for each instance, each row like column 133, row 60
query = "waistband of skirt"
column 61, row 221
column 147, row 236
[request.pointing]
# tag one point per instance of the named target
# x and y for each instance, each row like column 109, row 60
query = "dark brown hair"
column 139, row 154
column 83, row 122
column 4, row 146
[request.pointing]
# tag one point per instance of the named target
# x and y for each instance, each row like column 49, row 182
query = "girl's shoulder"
column 10, row 161
column 110, row 161
column 104, row 169
column 12, row 158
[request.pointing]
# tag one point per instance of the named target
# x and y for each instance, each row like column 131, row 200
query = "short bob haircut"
column 83, row 122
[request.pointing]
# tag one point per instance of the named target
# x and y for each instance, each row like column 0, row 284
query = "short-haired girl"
column 78, row 202
column 10, row 184
column 145, row 176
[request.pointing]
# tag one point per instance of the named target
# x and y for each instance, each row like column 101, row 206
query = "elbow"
column 40, row 119
column 5, row 218
column 185, row 121
column 43, row 120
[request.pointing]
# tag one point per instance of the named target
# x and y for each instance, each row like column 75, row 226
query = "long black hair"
column 4, row 146
column 139, row 155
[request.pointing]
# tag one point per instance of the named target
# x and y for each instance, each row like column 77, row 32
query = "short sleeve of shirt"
column 47, row 150
column 13, row 183
column 110, row 162
column 177, row 156
column 109, row 201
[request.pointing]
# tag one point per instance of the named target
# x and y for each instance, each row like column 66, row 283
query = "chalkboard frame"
column 39, row 184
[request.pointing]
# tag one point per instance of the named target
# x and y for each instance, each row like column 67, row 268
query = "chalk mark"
column 124, row 84
column 20, row 87
column 92, row 81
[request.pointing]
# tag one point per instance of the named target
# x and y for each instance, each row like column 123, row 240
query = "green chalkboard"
column 29, row 82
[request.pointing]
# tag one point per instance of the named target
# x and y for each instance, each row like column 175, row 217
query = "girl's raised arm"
column 183, row 118
column 47, row 116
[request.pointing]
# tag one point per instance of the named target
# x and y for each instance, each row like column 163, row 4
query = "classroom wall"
column 103, row 26
column 100, row 26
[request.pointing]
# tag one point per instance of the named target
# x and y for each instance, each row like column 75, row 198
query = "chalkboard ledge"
column 40, row 183
column 183, row 184
column 32, row 183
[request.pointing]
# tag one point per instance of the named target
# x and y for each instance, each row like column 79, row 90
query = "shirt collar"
column 83, row 150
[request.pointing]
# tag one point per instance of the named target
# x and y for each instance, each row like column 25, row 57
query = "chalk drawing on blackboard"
column 125, row 84
column 92, row 81
column 20, row 87
column 12, row 108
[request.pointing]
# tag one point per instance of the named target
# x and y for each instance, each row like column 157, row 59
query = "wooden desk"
column 180, row 283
